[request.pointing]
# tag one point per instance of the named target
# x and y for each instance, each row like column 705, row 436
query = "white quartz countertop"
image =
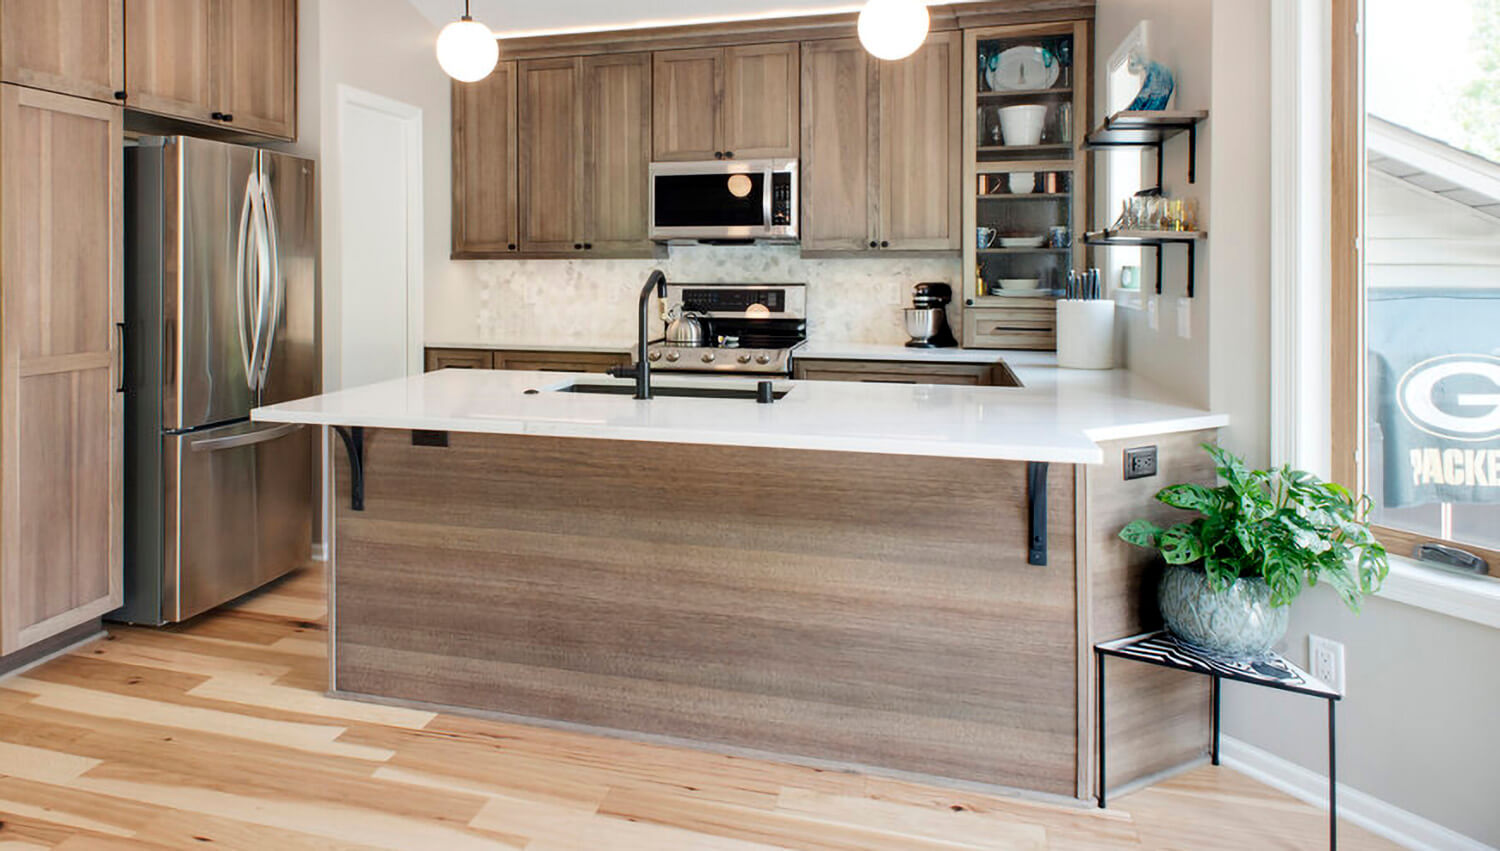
column 1059, row 416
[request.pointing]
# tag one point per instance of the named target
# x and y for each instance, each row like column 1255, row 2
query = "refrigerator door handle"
column 272, row 299
column 249, row 338
column 238, row 441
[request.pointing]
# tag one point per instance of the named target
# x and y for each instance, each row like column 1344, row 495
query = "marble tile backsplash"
column 593, row 302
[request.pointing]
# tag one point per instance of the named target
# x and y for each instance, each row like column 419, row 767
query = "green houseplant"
column 1259, row 539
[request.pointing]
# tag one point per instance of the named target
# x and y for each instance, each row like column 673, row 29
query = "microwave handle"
column 767, row 195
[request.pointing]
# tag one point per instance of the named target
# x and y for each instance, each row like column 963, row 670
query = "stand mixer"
column 927, row 318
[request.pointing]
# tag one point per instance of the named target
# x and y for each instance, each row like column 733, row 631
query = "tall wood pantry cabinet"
column 61, row 409
column 881, row 148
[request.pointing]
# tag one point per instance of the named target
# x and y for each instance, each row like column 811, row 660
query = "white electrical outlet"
column 1326, row 658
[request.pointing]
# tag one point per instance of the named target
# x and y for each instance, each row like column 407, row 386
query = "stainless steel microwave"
column 724, row 200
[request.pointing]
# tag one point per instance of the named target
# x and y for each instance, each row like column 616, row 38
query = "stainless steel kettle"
column 686, row 328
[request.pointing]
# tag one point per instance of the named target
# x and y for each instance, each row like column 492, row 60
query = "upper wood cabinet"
column 838, row 194
column 617, row 153
column 921, row 148
column 258, row 66
column 75, row 47
column 881, row 142
column 485, row 199
column 726, row 102
column 583, row 133
column 60, row 411
column 551, row 156
column 227, row 63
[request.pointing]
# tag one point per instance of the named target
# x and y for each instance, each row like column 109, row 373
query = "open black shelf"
column 1150, row 130
column 1155, row 239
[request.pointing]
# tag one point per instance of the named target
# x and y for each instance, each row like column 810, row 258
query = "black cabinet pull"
column 511, row 247
column 120, row 95
column 884, row 244
column 588, row 246
column 577, row 246
column 718, row 155
column 729, row 155
column 228, row 118
column 874, row 244
column 216, row 116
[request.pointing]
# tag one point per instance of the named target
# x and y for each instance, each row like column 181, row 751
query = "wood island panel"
column 1157, row 717
column 866, row 609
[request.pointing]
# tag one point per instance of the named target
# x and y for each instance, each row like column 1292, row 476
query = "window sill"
column 1472, row 598
column 1128, row 299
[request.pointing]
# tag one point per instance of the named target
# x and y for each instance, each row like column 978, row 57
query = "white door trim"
column 411, row 118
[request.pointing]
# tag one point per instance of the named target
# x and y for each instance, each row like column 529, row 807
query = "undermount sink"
column 746, row 393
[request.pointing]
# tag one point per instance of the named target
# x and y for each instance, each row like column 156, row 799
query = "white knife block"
column 1086, row 334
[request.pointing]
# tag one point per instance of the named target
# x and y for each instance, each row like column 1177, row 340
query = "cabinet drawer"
column 560, row 361
column 905, row 372
column 1004, row 328
column 459, row 359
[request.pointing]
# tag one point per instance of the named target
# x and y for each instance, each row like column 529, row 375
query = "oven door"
column 712, row 200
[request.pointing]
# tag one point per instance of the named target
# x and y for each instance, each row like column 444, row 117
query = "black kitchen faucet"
column 641, row 371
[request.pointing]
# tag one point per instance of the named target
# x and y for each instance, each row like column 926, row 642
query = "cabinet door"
column 75, row 47
column 687, row 92
column 837, row 145
column 437, row 359
column 169, row 66
column 920, row 155
column 484, row 164
column 60, row 413
column 617, row 154
column 762, row 101
column 258, row 58
column 551, row 158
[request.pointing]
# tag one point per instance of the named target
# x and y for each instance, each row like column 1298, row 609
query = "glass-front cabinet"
column 1026, row 180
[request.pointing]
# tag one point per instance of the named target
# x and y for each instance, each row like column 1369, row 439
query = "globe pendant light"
column 467, row 49
column 893, row 29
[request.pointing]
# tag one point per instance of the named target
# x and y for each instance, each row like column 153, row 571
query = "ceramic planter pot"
column 1238, row 622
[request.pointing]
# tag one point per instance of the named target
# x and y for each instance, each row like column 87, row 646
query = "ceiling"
column 515, row 17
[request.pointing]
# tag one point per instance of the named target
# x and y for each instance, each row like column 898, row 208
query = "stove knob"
column 708, row 357
column 672, row 357
column 654, row 356
column 743, row 358
column 762, row 359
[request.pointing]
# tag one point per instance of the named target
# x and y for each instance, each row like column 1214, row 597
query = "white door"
column 380, row 238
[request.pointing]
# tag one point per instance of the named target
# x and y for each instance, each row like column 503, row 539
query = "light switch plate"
column 1185, row 318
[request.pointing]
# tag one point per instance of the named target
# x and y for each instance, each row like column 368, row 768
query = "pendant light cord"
column 466, row 11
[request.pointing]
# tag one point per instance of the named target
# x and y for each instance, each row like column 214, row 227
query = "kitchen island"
column 899, row 578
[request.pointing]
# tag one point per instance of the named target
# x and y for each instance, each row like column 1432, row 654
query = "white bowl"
column 1020, row 283
column 1022, row 182
column 1022, row 124
column 1022, row 241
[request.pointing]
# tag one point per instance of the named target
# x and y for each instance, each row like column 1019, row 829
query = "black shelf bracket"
column 354, row 442
column 1192, row 155
column 1036, row 498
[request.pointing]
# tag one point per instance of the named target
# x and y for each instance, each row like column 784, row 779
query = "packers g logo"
column 1477, row 414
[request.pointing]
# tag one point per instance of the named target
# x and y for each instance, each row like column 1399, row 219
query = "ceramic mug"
column 984, row 237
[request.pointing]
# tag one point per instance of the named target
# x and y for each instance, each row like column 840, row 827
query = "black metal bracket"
column 1036, row 497
column 354, row 442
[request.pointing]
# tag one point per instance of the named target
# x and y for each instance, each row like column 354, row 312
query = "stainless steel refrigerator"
column 221, row 304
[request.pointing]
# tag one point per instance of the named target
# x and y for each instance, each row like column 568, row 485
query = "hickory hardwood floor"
column 217, row 734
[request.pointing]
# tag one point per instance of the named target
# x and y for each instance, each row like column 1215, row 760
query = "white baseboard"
column 1406, row 829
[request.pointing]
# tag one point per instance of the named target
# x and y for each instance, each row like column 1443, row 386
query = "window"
column 1416, row 236
column 1122, row 263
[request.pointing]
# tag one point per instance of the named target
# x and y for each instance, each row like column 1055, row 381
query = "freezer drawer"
column 238, row 512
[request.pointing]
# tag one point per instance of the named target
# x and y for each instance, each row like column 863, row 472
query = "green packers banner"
column 1434, row 372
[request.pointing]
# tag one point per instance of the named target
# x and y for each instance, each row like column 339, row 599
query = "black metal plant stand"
column 1274, row 671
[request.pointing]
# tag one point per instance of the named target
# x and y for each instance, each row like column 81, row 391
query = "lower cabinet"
column 524, row 359
column 61, row 403
column 906, row 372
